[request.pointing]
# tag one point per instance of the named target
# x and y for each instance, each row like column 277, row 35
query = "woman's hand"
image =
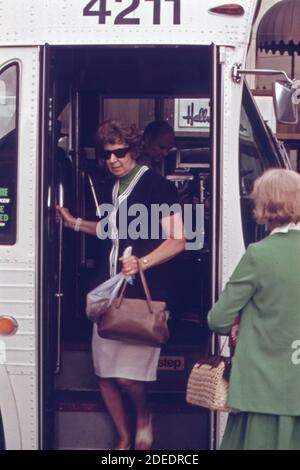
column 130, row 265
column 66, row 216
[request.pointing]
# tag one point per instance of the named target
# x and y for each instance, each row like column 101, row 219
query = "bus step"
column 82, row 423
column 86, row 400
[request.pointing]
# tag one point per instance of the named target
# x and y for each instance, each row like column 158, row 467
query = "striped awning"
column 279, row 29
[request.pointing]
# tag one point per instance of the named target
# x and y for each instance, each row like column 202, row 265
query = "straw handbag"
column 209, row 379
column 208, row 383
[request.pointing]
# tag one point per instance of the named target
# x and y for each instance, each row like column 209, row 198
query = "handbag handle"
column 146, row 290
column 218, row 354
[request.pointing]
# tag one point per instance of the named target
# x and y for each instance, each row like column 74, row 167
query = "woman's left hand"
column 130, row 265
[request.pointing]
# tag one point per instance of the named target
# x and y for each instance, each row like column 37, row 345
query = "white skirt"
column 113, row 358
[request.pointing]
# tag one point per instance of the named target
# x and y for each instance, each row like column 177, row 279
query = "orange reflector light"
column 8, row 326
column 233, row 9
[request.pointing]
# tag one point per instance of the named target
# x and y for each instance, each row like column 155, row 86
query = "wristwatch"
column 145, row 263
column 77, row 224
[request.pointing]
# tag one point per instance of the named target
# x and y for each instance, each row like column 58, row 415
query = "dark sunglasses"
column 119, row 153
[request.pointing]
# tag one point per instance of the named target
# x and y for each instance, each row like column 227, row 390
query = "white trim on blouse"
column 286, row 228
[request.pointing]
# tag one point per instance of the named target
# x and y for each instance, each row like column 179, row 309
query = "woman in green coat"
column 265, row 288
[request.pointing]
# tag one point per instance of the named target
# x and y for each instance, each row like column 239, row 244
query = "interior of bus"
column 83, row 87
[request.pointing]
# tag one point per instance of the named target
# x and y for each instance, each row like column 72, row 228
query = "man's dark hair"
column 155, row 129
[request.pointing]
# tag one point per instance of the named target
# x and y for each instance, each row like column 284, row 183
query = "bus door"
column 81, row 94
column 19, row 99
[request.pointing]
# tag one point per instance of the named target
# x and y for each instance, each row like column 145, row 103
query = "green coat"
column 265, row 288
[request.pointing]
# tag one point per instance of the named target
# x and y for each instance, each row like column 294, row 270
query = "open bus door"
column 49, row 304
column 19, row 81
column 73, row 82
column 58, row 248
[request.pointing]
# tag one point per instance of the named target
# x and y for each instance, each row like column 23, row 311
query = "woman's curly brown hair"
column 114, row 131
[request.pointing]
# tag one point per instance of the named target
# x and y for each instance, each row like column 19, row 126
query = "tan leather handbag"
column 135, row 321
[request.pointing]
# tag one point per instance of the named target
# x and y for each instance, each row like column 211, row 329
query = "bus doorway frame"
column 216, row 133
column 47, row 113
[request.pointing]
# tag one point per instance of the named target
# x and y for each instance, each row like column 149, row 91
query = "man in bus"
column 158, row 139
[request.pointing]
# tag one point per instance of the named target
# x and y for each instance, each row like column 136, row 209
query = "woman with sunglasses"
column 122, row 367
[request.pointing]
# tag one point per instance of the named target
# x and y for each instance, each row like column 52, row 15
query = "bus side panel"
column 231, row 234
column 71, row 22
column 19, row 379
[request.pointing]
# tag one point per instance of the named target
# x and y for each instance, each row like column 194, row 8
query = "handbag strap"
column 146, row 290
column 219, row 349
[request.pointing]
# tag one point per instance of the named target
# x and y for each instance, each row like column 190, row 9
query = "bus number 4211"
column 124, row 16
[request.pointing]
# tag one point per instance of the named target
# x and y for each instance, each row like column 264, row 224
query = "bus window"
column 137, row 111
column 257, row 154
column 8, row 152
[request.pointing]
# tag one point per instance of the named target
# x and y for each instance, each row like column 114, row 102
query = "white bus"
column 65, row 65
